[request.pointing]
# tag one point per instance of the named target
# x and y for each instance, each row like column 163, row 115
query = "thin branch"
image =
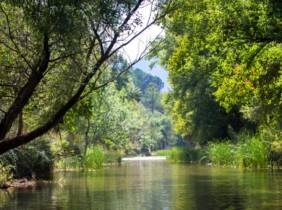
column 97, row 36
column 90, row 50
column 135, row 36
column 119, row 74
column 116, row 34
column 26, row 92
column 63, row 57
column 11, row 38
column 256, row 53
column 94, row 83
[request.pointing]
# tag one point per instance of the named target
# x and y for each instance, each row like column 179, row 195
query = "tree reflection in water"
column 153, row 186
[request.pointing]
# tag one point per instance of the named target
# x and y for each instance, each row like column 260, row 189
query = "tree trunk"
column 26, row 92
column 20, row 124
column 8, row 144
column 86, row 140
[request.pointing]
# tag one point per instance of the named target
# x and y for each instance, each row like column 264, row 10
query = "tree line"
column 224, row 64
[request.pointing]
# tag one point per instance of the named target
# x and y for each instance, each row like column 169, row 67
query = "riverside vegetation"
column 126, row 118
column 69, row 98
column 224, row 64
column 65, row 97
column 250, row 151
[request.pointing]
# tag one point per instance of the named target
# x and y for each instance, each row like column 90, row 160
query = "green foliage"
column 224, row 64
column 32, row 161
column 57, row 68
column 55, row 54
column 113, row 156
column 249, row 152
column 5, row 174
column 183, row 154
column 254, row 153
column 94, row 158
column 115, row 118
column 143, row 80
column 276, row 153
column 150, row 87
column 69, row 163
column 222, row 153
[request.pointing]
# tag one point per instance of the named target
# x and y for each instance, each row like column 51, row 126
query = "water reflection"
column 153, row 186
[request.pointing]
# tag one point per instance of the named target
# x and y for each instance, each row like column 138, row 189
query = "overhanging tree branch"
column 26, row 91
column 39, row 71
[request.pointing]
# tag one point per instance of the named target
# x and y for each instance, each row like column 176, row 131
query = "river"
column 152, row 185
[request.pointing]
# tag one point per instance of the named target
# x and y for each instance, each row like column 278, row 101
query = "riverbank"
column 144, row 158
column 248, row 152
column 18, row 183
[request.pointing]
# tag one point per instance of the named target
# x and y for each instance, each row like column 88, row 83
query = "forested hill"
column 143, row 80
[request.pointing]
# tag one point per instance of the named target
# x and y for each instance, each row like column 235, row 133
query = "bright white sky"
column 137, row 46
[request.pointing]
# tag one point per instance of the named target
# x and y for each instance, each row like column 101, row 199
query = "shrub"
column 112, row 156
column 5, row 174
column 94, row 158
column 34, row 160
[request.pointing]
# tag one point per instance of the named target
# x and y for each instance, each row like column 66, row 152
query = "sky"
column 133, row 49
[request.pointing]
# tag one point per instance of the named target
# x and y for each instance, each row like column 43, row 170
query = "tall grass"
column 183, row 154
column 249, row 152
column 94, row 158
column 69, row 163
column 222, row 153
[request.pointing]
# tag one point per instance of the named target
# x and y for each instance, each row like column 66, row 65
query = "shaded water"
column 152, row 186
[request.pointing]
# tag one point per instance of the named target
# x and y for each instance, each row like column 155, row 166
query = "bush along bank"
column 22, row 166
column 96, row 157
column 249, row 151
column 184, row 155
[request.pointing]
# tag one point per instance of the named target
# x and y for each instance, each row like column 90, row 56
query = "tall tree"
column 223, row 59
column 51, row 51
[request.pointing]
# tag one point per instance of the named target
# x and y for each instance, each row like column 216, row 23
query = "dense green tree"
column 51, row 52
column 223, row 59
column 142, row 80
column 114, row 118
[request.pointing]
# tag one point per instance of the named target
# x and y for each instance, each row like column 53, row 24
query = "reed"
column 183, row 154
column 248, row 152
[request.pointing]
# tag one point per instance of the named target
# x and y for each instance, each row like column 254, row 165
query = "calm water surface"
column 152, row 185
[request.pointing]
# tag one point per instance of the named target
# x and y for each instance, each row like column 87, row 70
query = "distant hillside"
column 143, row 80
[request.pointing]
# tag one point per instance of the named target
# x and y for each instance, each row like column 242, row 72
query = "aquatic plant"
column 222, row 153
column 248, row 152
